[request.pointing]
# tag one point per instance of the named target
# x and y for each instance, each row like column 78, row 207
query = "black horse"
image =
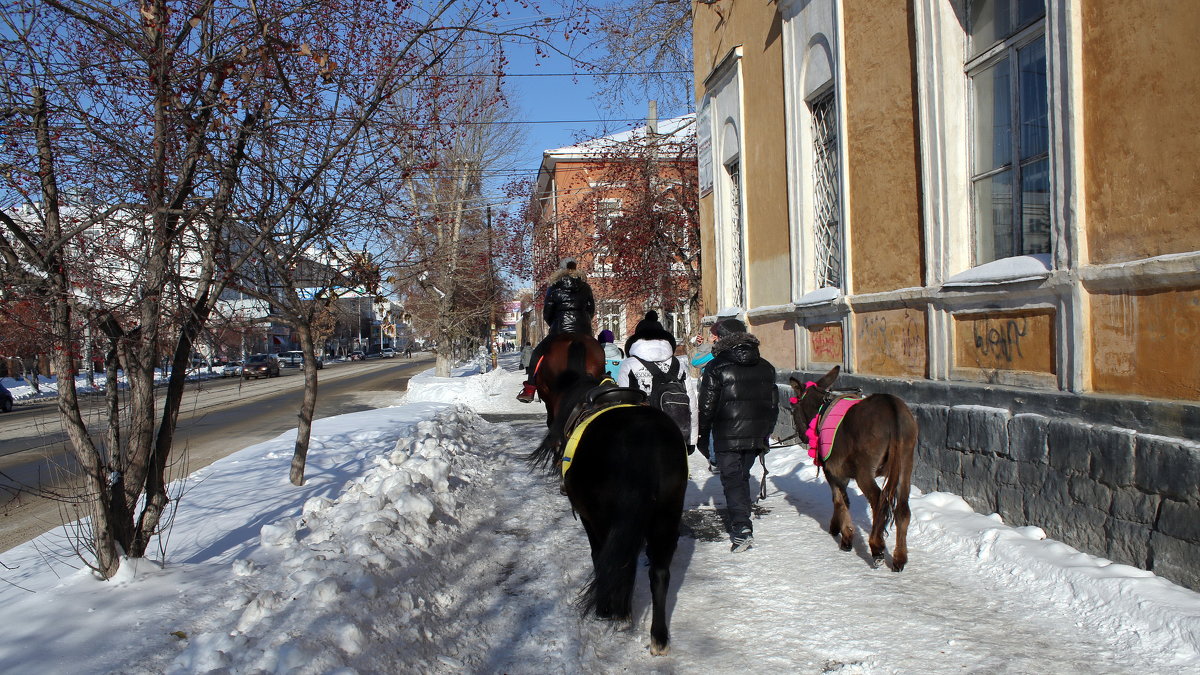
column 625, row 477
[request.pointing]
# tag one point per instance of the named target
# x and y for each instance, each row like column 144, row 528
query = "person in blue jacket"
column 613, row 355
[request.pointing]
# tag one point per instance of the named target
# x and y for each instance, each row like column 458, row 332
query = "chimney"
column 652, row 119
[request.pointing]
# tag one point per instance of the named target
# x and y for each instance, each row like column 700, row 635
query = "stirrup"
column 527, row 393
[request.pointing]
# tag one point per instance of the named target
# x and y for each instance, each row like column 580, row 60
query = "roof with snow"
column 674, row 128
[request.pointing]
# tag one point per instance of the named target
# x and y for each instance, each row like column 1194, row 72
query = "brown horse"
column 877, row 437
column 553, row 363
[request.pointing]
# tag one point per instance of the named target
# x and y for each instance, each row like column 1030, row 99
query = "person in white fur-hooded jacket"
column 651, row 342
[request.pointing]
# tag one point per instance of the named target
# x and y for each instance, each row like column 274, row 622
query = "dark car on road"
column 261, row 365
column 6, row 399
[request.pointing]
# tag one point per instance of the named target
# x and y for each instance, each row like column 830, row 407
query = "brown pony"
column 553, row 363
column 877, row 437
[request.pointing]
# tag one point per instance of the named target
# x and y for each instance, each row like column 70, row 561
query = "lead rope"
column 762, row 485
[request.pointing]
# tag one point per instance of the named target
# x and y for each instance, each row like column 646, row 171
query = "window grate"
column 827, row 221
column 737, row 270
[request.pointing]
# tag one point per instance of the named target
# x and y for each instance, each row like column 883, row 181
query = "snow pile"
column 1066, row 576
column 326, row 573
column 493, row 391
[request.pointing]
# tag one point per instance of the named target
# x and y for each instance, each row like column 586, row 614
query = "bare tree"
column 150, row 114
column 639, row 50
column 450, row 245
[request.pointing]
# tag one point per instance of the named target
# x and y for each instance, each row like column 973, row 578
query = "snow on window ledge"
column 1003, row 271
column 821, row 296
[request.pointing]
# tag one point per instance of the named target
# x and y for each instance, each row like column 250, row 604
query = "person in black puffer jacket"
column 738, row 407
column 568, row 308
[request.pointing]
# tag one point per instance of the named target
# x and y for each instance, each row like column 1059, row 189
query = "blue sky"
column 540, row 97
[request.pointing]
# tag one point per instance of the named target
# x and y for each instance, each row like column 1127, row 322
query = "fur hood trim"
column 563, row 272
column 732, row 340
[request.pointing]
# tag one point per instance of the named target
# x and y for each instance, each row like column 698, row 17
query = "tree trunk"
column 107, row 560
column 156, row 480
column 307, row 406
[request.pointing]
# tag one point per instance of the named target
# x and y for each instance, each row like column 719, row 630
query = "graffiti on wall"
column 892, row 342
column 1006, row 341
column 825, row 343
column 1147, row 343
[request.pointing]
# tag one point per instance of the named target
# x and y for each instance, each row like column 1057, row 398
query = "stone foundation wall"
column 1117, row 478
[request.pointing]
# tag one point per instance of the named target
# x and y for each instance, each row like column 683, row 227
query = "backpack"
column 668, row 394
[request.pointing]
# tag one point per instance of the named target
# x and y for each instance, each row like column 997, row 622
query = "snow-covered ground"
column 422, row 543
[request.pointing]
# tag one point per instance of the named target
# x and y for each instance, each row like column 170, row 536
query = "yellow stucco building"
column 991, row 209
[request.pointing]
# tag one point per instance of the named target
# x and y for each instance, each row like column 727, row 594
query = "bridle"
column 825, row 394
column 826, row 397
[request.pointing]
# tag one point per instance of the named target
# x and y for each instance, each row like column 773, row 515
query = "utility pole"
column 492, row 346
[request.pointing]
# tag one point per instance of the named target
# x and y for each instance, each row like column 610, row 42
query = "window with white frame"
column 1010, row 167
column 607, row 213
column 827, row 218
column 610, row 314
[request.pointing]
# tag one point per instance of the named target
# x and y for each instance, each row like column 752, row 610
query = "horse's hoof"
column 897, row 566
column 660, row 649
column 846, row 543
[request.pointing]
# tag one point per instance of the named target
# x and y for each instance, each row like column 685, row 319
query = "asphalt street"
column 219, row 416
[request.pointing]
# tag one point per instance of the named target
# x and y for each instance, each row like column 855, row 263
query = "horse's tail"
column 548, row 451
column 610, row 592
column 898, row 466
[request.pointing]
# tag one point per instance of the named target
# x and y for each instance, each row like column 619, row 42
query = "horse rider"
column 568, row 308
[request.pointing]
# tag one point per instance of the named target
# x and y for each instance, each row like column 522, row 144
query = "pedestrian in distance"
column 613, row 355
column 526, row 353
column 568, row 308
column 739, row 404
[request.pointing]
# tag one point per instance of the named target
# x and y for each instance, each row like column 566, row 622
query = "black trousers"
column 535, row 356
column 734, row 467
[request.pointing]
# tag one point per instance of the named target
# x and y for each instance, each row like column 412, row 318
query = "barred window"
column 827, row 215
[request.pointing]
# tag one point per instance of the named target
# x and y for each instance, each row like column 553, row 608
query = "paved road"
column 220, row 416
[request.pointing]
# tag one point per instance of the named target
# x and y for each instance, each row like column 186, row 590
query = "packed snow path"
column 794, row 603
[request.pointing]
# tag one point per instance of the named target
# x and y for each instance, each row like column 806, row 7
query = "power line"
column 631, row 72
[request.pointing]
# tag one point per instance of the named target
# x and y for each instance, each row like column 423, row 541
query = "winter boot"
column 527, row 392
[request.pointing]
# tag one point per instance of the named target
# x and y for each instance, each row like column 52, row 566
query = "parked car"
column 357, row 355
column 6, row 399
column 231, row 369
column 261, row 365
column 387, row 352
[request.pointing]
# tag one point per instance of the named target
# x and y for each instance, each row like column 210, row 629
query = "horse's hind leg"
column 661, row 541
column 902, row 515
column 879, row 512
column 840, row 525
